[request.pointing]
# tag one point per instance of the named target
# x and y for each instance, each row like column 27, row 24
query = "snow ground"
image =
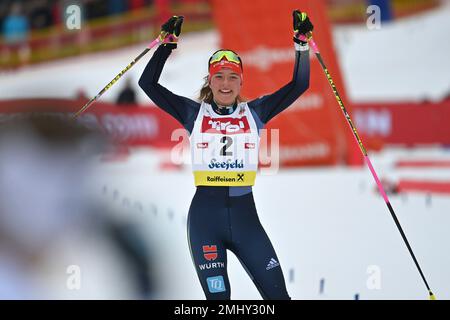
column 346, row 239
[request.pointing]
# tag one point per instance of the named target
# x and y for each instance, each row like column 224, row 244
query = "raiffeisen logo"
column 229, row 164
column 225, row 125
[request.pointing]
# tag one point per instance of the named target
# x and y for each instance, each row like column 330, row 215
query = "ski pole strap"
column 308, row 38
column 154, row 43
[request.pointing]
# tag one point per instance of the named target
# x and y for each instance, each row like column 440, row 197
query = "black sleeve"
column 184, row 110
column 269, row 106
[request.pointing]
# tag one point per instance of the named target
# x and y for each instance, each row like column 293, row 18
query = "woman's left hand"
column 301, row 23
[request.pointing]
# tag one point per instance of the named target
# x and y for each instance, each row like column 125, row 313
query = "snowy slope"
column 183, row 73
column 404, row 60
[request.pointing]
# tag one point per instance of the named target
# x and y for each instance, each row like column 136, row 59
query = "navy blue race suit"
column 222, row 218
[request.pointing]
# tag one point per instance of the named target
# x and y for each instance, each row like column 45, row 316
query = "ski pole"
column 315, row 48
column 121, row 73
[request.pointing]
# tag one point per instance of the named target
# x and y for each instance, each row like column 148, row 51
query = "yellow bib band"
column 224, row 178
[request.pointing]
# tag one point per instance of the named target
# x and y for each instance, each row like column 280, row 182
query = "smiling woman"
column 224, row 82
column 224, row 134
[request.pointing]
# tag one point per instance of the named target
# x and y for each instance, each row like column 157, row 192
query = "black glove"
column 171, row 29
column 301, row 25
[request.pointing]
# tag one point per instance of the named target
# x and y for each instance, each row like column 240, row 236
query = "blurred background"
column 97, row 208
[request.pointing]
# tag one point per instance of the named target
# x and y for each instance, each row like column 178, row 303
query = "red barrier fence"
column 130, row 125
column 423, row 186
column 404, row 123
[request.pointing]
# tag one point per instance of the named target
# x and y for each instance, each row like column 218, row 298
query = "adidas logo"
column 272, row 264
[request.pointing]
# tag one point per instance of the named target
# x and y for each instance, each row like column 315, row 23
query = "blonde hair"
column 206, row 93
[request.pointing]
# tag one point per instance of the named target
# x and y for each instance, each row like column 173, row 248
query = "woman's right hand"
column 171, row 29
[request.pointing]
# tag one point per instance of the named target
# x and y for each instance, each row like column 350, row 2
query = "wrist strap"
column 302, row 46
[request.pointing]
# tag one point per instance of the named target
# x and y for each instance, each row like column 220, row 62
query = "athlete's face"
column 226, row 86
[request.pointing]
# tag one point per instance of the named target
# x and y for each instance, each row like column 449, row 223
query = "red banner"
column 129, row 125
column 312, row 131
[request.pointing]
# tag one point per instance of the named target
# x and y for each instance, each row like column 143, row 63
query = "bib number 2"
column 228, row 142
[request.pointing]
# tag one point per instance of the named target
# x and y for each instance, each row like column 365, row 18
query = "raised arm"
column 267, row 107
column 184, row 110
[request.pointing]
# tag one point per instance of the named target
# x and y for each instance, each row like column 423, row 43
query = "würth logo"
column 225, row 125
column 210, row 252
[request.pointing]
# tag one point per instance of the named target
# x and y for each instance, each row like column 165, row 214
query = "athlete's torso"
column 224, row 148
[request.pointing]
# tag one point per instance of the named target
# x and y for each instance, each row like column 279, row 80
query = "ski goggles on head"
column 228, row 55
column 225, row 59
